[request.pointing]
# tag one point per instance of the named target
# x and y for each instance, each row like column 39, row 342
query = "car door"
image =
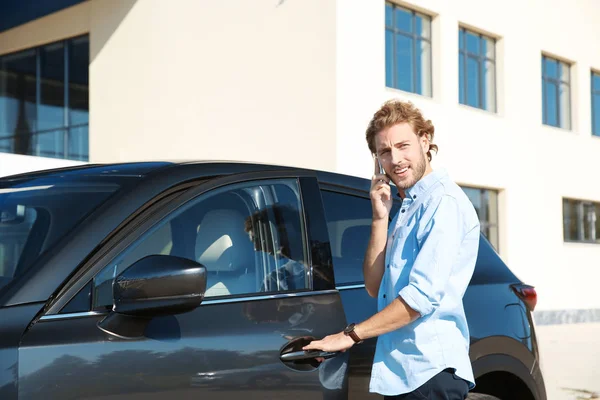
column 349, row 216
column 269, row 290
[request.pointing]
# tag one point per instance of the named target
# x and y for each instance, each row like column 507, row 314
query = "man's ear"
column 424, row 141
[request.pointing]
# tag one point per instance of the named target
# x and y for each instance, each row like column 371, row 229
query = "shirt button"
column 402, row 210
column 414, row 196
column 384, row 296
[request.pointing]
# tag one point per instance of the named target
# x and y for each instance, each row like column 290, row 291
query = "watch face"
column 349, row 328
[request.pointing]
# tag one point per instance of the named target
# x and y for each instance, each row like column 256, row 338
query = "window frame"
column 184, row 207
column 414, row 37
column 557, row 82
column 172, row 198
column 580, row 204
column 486, row 223
column 481, row 59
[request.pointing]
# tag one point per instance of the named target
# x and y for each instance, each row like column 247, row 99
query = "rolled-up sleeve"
column 440, row 234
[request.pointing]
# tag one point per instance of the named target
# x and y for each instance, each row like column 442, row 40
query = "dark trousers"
column 443, row 386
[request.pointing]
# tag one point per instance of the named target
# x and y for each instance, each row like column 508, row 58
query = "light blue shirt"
column 430, row 258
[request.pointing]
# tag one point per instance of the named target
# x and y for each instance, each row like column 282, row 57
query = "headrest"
column 222, row 244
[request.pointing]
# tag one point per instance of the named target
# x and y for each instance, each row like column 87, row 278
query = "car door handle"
column 307, row 355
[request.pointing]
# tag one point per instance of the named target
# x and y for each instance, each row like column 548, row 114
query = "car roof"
column 214, row 167
column 113, row 169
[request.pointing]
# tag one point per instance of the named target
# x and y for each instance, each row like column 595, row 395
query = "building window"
column 556, row 93
column 581, row 220
column 44, row 100
column 485, row 202
column 596, row 103
column 407, row 50
column 477, row 70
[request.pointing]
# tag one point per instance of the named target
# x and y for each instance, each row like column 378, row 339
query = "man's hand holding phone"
column 381, row 193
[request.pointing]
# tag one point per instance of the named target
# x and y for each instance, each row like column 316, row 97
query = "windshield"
column 35, row 213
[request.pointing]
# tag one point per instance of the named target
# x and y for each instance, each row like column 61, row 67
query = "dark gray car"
column 204, row 280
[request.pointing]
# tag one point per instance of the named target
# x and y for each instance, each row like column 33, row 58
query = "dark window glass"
column 18, row 111
column 79, row 54
column 82, row 301
column 78, row 142
column 349, row 224
column 51, row 111
column 44, row 100
column 35, row 214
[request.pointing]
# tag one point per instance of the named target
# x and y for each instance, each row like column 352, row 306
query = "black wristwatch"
column 349, row 331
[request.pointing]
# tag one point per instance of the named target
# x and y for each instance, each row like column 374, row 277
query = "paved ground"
column 570, row 356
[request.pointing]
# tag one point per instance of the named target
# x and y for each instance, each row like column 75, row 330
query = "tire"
column 481, row 396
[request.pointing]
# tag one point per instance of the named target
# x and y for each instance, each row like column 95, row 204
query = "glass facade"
column 44, row 100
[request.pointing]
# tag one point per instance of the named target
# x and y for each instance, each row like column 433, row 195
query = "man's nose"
column 396, row 157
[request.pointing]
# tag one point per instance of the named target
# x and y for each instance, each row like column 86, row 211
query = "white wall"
column 11, row 164
column 533, row 165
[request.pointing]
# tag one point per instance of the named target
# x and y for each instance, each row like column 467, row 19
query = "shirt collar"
column 425, row 183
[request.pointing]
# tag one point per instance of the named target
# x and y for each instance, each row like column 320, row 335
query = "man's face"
column 402, row 154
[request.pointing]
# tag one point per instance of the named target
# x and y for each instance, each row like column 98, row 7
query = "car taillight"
column 526, row 293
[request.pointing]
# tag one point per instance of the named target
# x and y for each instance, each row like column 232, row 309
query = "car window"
column 15, row 229
column 35, row 214
column 250, row 237
column 349, row 225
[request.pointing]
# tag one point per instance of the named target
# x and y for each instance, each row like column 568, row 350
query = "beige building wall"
column 235, row 80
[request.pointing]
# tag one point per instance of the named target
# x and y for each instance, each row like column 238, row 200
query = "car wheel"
column 481, row 396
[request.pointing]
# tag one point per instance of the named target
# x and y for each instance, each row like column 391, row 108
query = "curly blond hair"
column 394, row 112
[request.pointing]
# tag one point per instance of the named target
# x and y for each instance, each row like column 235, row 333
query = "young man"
column 418, row 266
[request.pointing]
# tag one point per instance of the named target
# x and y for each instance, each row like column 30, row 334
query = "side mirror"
column 154, row 286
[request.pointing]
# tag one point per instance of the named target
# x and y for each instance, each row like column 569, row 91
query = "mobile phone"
column 381, row 170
